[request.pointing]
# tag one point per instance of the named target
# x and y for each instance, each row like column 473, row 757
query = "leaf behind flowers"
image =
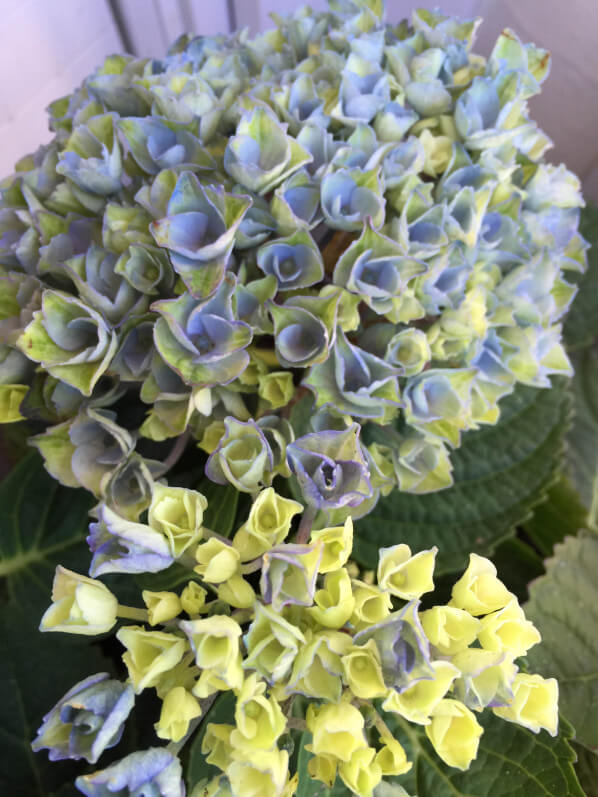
column 564, row 606
column 500, row 473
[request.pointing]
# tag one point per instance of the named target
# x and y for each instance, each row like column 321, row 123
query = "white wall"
column 47, row 49
column 49, row 46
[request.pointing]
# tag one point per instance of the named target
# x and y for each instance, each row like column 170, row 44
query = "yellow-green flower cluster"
column 285, row 624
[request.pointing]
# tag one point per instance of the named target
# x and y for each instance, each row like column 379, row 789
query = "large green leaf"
column 560, row 514
column 511, row 762
column 564, row 606
column 587, row 770
column 583, row 435
column 500, row 473
column 41, row 523
column 581, row 325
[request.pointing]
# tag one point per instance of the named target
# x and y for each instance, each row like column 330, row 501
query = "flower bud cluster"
column 279, row 617
column 354, row 213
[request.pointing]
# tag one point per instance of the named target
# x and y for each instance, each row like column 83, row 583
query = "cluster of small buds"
column 278, row 613
column 341, row 211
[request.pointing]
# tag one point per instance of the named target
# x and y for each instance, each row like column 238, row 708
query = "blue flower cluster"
column 340, row 211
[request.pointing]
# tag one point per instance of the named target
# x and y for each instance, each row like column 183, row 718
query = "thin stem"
column 381, row 726
column 175, row 454
column 187, row 560
column 207, row 533
column 296, row 723
column 251, row 567
column 307, row 520
column 132, row 613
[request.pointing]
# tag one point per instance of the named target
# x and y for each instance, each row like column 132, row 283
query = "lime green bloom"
column 508, row 630
column 337, row 730
column 182, row 674
column 289, row 574
column 335, row 602
column 535, row 703
column 11, row 397
column 268, row 524
column 449, row 629
column 193, row 598
column 438, row 149
column 178, row 709
column 161, row 606
column 263, row 774
column 259, row 719
column 363, row 671
column 277, row 388
column 371, row 605
column 81, row 605
column 323, row 767
column 403, row 575
column 272, row 644
column 392, row 758
column 178, row 514
column 419, row 701
column 216, row 745
column 237, row 592
column 454, row 733
column 218, row 561
column 215, row 642
column 149, row 654
column 479, row 591
column 212, row 435
column 317, row 668
column 362, row 773
column 337, row 545
column 486, row 678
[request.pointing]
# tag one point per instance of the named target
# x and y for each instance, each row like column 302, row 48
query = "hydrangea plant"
column 300, row 269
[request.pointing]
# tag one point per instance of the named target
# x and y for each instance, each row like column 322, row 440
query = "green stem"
column 175, row 453
column 251, row 567
column 209, row 533
column 307, row 520
column 296, row 723
column 132, row 613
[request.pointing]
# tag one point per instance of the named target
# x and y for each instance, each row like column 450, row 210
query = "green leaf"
column 587, row 770
column 564, row 607
column 168, row 579
column 222, row 506
column 511, row 762
column 517, row 564
column 559, row 515
column 41, row 523
column 222, row 710
column 500, row 473
column 582, row 439
column 581, row 326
